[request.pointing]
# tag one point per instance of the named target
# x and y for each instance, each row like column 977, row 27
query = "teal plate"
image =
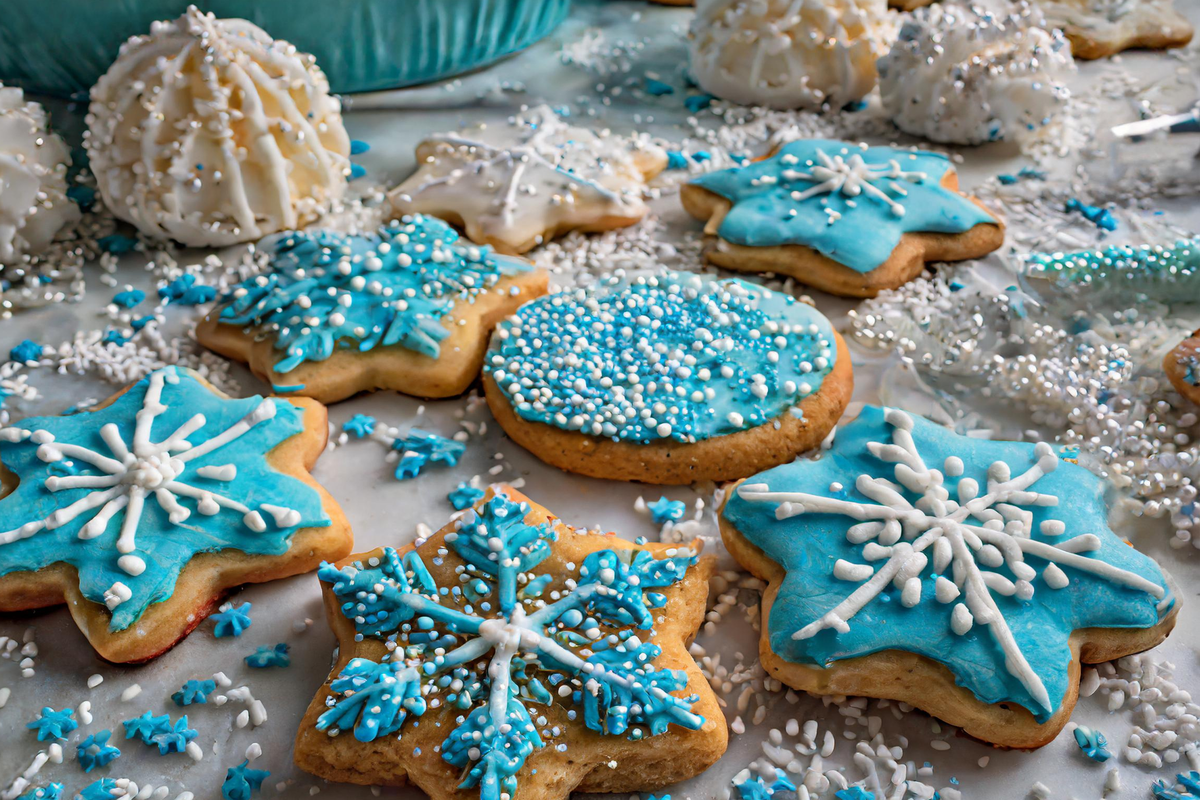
column 63, row 46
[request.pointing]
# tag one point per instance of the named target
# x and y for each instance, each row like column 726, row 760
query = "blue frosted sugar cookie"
column 408, row 307
column 672, row 378
column 141, row 513
column 966, row 577
column 850, row 219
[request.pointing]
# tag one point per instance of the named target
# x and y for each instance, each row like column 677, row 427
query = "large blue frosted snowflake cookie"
column 963, row 576
column 510, row 652
column 846, row 218
column 408, row 307
column 168, row 482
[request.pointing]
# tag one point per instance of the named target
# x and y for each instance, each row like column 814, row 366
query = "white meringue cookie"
column 209, row 132
column 788, row 53
column 33, row 179
column 964, row 75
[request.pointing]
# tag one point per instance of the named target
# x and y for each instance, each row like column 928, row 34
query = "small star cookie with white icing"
column 849, row 219
column 141, row 513
column 968, row 578
column 518, row 185
column 511, row 655
column 1099, row 28
column 409, row 308
column 669, row 379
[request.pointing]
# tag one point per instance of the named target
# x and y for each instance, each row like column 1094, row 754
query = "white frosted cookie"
column 788, row 53
column 964, row 75
column 209, row 132
column 517, row 185
column 33, row 178
column 1099, row 28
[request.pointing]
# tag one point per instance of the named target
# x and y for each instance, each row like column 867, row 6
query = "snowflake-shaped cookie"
column 169, row 483
column 407, row 307
column 511, row 651
column 518, row 185
column 963, row 576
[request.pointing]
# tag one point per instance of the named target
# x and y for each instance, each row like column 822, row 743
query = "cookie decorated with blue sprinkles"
column 510, row 655
column 408, row 308
column 670, row 378
column 969, row 578
column 849, row 219
column 141, row 513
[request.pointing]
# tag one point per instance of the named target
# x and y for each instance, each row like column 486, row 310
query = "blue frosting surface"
column 129, row 493
column 677, row 356
column 1040, row 602
column 326, row 290
column 857, row 223
column 604, row 618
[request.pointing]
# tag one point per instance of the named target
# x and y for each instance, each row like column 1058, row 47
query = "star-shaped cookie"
column 518, row 185
column 141, row 513
column 409, row 307
column 510, row 655
column 966, row 577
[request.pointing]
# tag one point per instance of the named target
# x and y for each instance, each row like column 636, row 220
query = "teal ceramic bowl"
column 62, row 46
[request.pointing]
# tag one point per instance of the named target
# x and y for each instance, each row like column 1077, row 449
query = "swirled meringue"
column 209, row 132
column 963, row 75
column 788, row 53
column 33, row 178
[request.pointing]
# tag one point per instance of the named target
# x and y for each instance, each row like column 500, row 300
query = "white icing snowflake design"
column 852, row 176
column 971, row 535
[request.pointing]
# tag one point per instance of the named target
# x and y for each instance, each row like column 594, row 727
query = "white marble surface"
column 385, row 511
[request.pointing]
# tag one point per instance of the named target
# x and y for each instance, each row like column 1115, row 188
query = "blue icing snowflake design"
column 675, row 356
column 591, row 647
column 327, row 290
column 130, row 493
column 849, row 202
column 917, row 539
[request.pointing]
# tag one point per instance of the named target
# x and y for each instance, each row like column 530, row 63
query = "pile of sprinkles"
column 670, row 356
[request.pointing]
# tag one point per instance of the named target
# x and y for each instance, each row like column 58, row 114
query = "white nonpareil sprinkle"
column 94, row 681
column 131, row 692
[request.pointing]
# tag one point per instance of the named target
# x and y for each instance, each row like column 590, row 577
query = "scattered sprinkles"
column 52, row 724
column 269, row 656
column 231, row 620
column 95, row 751
column 194, row 691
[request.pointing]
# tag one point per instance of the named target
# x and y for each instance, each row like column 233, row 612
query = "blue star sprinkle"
column 231, row 620
column 465, row 495
column 185, row 291
column 194, row 691
column 663, row 511
column 443, row 636
column 146, row 727
column 173, row 738
column 757, row 788
column 52, row 724
column 26, row 351
column 1100, row 217
column 128, row 298
column 267, row 656
column 114, row 336
column 360, row 425
column 220, row 491
column 95, row 751
column 421, row 448
column 241, row 782
column 52, row 792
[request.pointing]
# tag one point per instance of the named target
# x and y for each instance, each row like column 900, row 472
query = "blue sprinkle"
column 146, row 727
column 855, row 105
column 103, row 789
column 701, row 156
column 194, row 691
column 1006, row 180
column 117, row 244
column 663, row 510
column 854, row 793
column 185, row 291
column 26, row 351
column 267, row 656
column 1100, row 217
column 173, row 739
column 128, row 298
column 114, row 336
column 676, row 160
column 658, row 88
column 52, row 792
column 360, row 425
column 698, row 102
column 82, row 196
column 358, row 147
column 1092, row 744
column 95, row 751
column 241, row 782
column 284, row 388
column 421, row 448
column 357, row 171
column 232, row 621
column 52, row 724
column 138, row 324
column 465, row 495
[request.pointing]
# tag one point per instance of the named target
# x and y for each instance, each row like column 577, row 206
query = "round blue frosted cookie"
column 673, row 378
column 140, row 513
column 849, row 219
column 408, row 307
column 966, row 577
